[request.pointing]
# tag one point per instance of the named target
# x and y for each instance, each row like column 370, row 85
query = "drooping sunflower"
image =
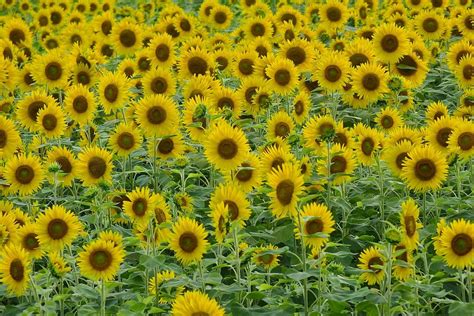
column 57, row 228
column 226, row 147
column 9, row 138
column 28, row 239
column 113, row 91
column 410, row 223
column 403, row 265
column 430, row 25
column 457, row 244
column 316, row 219
column 461, row 140
column 157, row 115
column 266, row 257
column 283, row 76
column 188, row 240
column 390, row 42
column 66, row 162
column 195, row 117
column 238, row 207
column 370, row 81
column 196, row 303
column 194, row 62
column 287, row 184
column 396, row 154
column 51, row 121
column 332, row 71
column 424, row 169
column 24, row 173
column 219, row 215
column 372, row 260
column 248, row 175
column 100, row 260
column 126, row 37
column 279, row 125
column 139, row 206
column 341, row 165
column 15, row 269
column 437, row 133
column 437, row 241
column 125, row 139
column 94, row 165
column 79, row 104
column 51, row 70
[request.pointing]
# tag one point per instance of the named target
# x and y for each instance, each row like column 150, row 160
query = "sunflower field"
column 226, row 157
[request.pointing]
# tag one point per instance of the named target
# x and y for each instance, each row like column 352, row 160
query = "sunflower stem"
column 35, row 293
column 201, row 274
column 102, row 298
column 61, row 291
column 469, row 284
column 382, row 196
column 237, row 254
column 303, row 259
column 388, row 285
column 461, row 282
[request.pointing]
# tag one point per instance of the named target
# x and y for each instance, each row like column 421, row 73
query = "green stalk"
column 102, row 298
column 469, row 284
column 303, row 259
column 61, row 291
column 237, row 254
column 463, row 292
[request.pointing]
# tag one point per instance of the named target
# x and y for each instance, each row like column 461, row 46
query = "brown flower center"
column 244, row 175
column 332, row 73
column 288, row 17
column 375, row 261
column 185, row 25
column 220, row 17
column 162, row 52
column 314, row 226
column 223, row 63
column 83, row 78
column 100, row 259
column 407, row 66
column 197, row 66
column 225, row 102
column 16, row 36
column 333, row 14
column 126, row 140
column 64, row 164
column 410, row 225
column 57, row 229
column 17, row 270
column 266, row 259
column 3, row 138
column 24, row 174
column 367, row 146
column 188, row 242
column 257, row 29
column 338, row 164
column 299, row 107
column 389, row 43
column 139, row 207
column 284, row 192
column 466, row 141
column 159, row 85
column 282, row 77
column 53, row 71
column 160, row 216
column 358, row 59
column 461, row 244
column 144, row 64
column 156, row 115
column 296, row 54
column 97, row 167
column 227, row 148
column 282, row 129
column 387, row 122
column 233, row 209
column 111, row 93
column 467, row 72
column 166, row 146
column 49, row 122
column 106, row 27
column 425, row 169
column 430, row 25
column 246, row 66
column 400, row 159
column 30, row 241
column 127, row 38
column 443, row 135
column 80, row 104
column 370, row 82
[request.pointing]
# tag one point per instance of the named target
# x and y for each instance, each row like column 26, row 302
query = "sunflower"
column 373, row 261
column 248, row 91
column 188, row 240
column 126, row 37
column 194, row 62
column 301, row 105
column 157, row 283
column 248, row 175
column 457, row 240
column 283, row 76
column 266, row 257
column 461, row 140
column 195, row 117
column 436, row 110
column 333, row 14
column 221, row 17
column 275, row 156
column 465, row 72
column 300, row 52
column 279, row 125
column 412, row 68
column 167, row 147
column 244, row 64
column 57, row 228
column 66, row 162
column 317, row 129
column 370, row 81
column 402, row 133
column 390, row 43
column 94, row 165
column 316, row 219
column 238, row 207
column 424, row 169
column 430, row 25
column 222, row 59
column 51, row 70
column 388, row 119
column 226, row 147
column 115, row 237
column 403, row 266
column 438, row 132
column 8, row 228
column 17, row 31
column 125, row 139
column 161, row 50
column 201, row 86
column 9, row 138
column 9, row 76
column 396, row 154
column 100, row 260
column 369, row 141
column 113, row 91
column 159, row 81
column 257, row 27
column 184, row 201
column 225, row 99
column 139, row 206
column 342, row 164
column 219, row 215
column 466, row 22
column 410, row 223
column 332, row 71
column 457, row 51
column 287, row 184
column 157, row 115
column 102, row 24
column 79, row 104
column 28, row 239
column 51, row 121
column 15, row 269
column 84, row 75
column 162, row 217
column 360, row 51
column 196, row 303
column 24, row 173
column 437, row 241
